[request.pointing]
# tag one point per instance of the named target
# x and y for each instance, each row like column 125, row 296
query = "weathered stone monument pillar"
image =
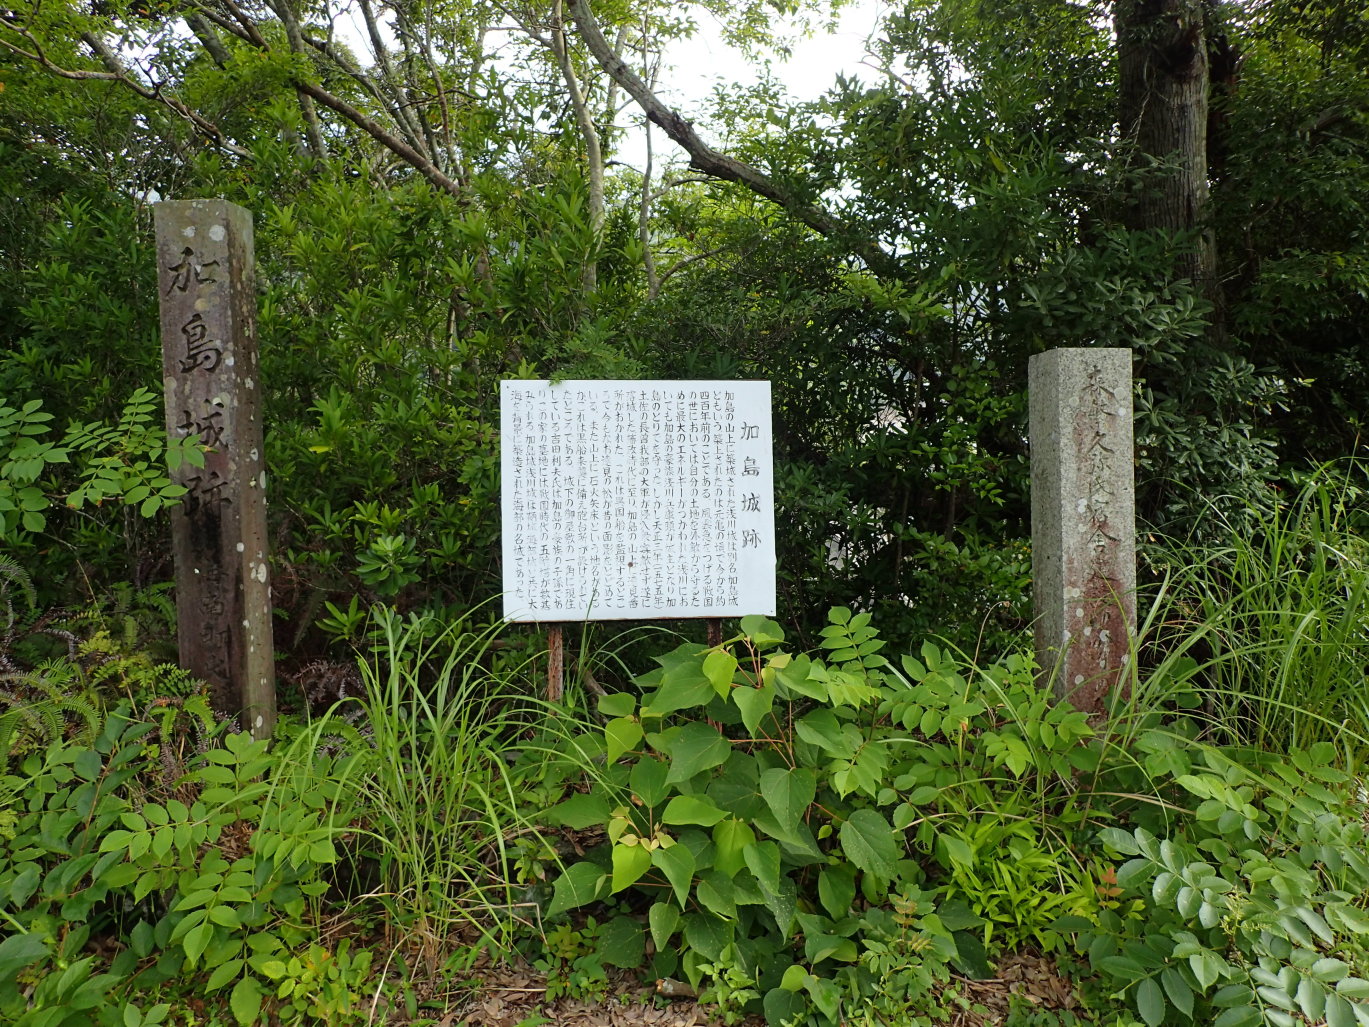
column 1083, row 521
column 209, row 361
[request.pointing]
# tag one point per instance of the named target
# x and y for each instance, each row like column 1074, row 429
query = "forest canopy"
column 440, row 203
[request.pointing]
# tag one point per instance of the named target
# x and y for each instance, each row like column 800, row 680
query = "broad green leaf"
column 1353, row 987
column 1119, row 841
column 1131, row 873
column 817, row 947
column 783, row 905
column 88, row 765
column 697, row 747
column 224, row 973
column 716, row 894
column 1122, row 966
column 1177, row 989
column 1339, row 1011
column 705, row 933
column 225, row 916
column 677, row 863
column 871, row 843
column 763, row 860
column 789, row 793
column 837, row 889
column 648, row 780
column 621, row 735
column 956, row 915
column 1150, row 1002
column 22, row 887
column 196, row 940
column 763, row 631
column 619, row 704
column 1166, row 887
column 1311, row 996
column 630, row 862
column 1207, row 966
column 18, row 951
column 719, row 667
column 754, row 704
column 683, row 686
column 821, row 727
column 826, row 995
column 580, row 884
column 796, row 679
column 782, row 1005
column 581, row 811
column 691, row 809
column 731, row 837
column 1233, row 995
column 971, row 958
column 1330, row 970
column 246, row 1001
column 958, row 851
column 622, row 943
column 664, row 920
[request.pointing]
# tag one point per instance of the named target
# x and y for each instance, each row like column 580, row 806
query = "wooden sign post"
column 1083, row 521
column 213, row 390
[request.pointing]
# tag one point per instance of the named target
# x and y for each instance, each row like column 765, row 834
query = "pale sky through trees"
column 697, row 65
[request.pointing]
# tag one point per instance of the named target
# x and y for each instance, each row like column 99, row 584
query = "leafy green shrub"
column 124, row 462
column 800, row 830
column 204, row 869
column 825, row 840
column 1246, row 891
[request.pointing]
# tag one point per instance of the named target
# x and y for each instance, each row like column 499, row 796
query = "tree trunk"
column 589, row 134
column 1163, row 111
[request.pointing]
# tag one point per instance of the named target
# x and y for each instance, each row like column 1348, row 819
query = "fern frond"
column 13, row 578
column 40, row 709
column 41, row 719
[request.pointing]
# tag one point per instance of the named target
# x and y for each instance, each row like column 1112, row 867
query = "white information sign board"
column 636, row 500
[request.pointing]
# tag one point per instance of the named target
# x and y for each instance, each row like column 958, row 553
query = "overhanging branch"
column 704, row 158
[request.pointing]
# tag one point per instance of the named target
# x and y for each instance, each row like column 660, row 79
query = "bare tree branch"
column 116, row 71
column 684, row 262
column 708, row 160
column 589, row 133
column 209, row 39
column 399, row 147
column 391, row 142
column 250, row 32
column 399, row 108
column 313, row 131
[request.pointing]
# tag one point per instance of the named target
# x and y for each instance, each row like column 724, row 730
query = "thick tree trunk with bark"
column 1163, row 111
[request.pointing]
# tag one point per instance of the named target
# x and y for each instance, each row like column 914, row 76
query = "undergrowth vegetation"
column 849, row 835
column 1269, row 628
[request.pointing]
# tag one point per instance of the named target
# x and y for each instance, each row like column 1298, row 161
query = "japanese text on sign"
column 637, row 499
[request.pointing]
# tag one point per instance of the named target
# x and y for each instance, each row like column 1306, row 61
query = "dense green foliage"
column 186, row 852
column 985, row 157
column 828, row 829
column 818, row 838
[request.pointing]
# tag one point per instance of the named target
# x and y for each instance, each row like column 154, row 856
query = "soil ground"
column 512, row 996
